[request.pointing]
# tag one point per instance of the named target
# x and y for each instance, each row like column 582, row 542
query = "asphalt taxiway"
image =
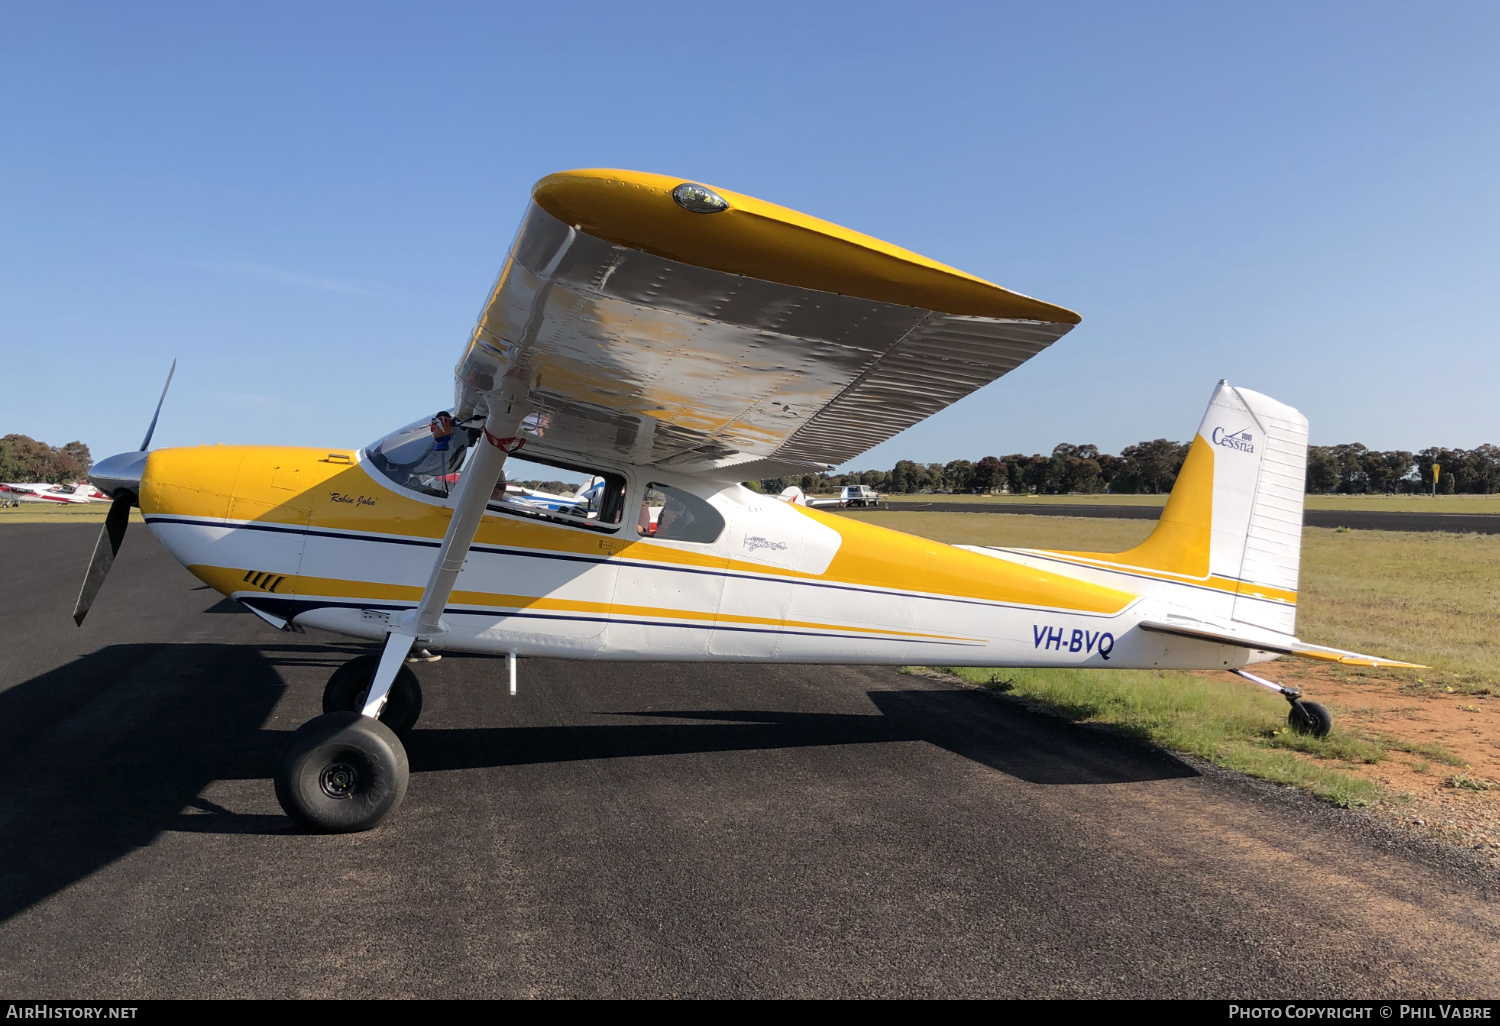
column 650, row 830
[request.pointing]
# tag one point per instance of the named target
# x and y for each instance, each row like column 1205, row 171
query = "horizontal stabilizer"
column 1282, row 645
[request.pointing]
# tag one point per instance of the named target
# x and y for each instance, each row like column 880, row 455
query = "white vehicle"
column 859, row 495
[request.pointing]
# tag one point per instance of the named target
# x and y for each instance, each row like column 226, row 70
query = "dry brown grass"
column 1425, row 597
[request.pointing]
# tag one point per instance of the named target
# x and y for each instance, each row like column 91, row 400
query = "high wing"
column 658, row 322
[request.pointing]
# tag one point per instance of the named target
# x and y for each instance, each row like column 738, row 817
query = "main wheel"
column 350, row 683
column 341, row 773
column 1310, row 718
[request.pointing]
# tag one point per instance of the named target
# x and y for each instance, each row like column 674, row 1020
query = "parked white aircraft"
column 41, row 491
column 849, row 495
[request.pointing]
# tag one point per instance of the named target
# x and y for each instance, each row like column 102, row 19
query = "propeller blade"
column 104, row 554
column 152, row 429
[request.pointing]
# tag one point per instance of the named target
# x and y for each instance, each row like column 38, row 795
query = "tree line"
column 1355, row 470
column 1152, row 468
column 24, row 460
column 1144, row 468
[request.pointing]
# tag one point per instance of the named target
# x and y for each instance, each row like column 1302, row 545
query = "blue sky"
column 305, row 204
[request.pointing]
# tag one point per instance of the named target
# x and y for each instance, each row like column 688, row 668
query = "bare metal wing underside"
column 648, row 360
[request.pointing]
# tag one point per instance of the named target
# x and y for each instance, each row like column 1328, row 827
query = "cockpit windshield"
column 419, row 456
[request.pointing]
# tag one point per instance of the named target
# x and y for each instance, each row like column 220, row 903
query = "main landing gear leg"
column 346, row 770
column 1305, row 717
column 349, row 689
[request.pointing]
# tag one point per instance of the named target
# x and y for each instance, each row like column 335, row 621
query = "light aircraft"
column 849, row 495
column 40, row 491
column 671, row 340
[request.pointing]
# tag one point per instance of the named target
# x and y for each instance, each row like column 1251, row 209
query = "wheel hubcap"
column 339, row 780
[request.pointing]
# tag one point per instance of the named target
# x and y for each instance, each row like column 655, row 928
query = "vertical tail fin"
column 1234, row 518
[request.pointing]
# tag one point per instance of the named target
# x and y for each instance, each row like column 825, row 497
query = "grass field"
column 1408, row 503
column 1382, row 503
column 1423, row 597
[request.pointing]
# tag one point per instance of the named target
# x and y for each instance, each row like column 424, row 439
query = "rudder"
column 1271, row 553
column 1234, row 518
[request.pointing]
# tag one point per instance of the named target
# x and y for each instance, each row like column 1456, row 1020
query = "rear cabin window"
column 672, row 514
column 561, row 492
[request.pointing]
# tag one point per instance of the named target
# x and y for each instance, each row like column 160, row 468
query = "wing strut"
column 501, row 429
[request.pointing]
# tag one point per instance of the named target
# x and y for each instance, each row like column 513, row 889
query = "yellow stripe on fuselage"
column 230, row 580
column 314, row 487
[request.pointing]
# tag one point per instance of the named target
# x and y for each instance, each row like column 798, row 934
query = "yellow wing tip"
column 758, row 239
column 1389, row 664
column 1359, row 660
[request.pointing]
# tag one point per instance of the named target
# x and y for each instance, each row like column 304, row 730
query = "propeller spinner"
column 118, row 476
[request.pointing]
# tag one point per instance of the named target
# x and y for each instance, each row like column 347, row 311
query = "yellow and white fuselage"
column 312, row 538
column 669, row 340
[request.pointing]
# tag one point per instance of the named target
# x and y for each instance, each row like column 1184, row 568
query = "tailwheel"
column 350, row 683
column 341, row 773
column 1309, row 718
column 1305, row 717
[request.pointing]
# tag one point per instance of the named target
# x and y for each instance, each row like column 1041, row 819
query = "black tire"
column 350, row 683
column 1310, row 718
column 341, row 773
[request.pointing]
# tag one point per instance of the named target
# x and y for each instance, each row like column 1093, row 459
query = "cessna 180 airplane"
column 667, row 341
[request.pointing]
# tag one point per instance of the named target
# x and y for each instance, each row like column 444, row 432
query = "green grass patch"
column 1284, row 768
column 1236, row 727
column 1469, row 783
column 1437, row 753
column 1339, row 745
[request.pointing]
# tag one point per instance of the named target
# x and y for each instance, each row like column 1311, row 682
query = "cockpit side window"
column 672, row 514
column 429, row 456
